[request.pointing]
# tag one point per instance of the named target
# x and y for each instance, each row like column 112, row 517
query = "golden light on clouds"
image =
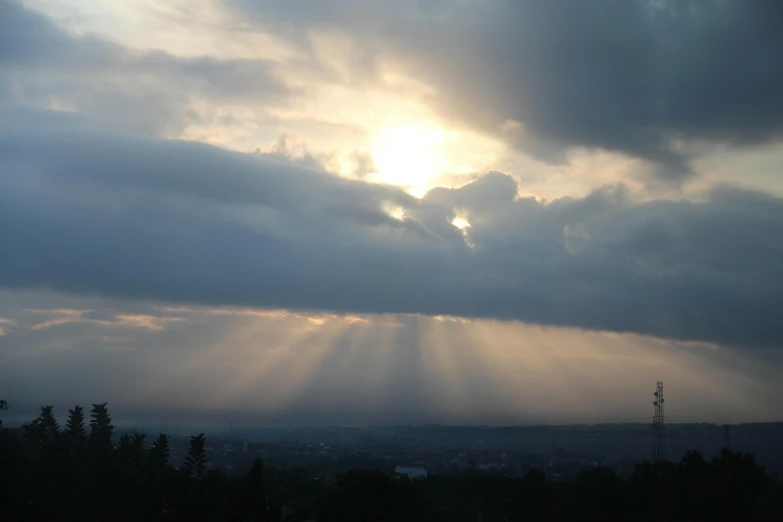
column 351, row 102
column 350, row 97
column 461, row 222
column 396, row 212
column 63, row 316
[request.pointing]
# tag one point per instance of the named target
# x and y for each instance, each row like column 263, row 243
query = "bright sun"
column 409, row 155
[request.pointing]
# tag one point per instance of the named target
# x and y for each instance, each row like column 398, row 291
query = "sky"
column 361, row 211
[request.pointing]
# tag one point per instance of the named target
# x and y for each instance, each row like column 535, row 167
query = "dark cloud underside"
column 182, row 222
column 87, row 211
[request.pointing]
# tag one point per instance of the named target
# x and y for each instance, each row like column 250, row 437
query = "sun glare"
column 409, row 156
column 460, row 222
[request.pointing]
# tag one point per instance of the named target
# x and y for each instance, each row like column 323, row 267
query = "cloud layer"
column 656, row 80
column 179, row 222
column 87, row 208
column 151, row 92
column 662, row 81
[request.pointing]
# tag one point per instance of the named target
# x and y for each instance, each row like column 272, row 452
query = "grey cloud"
column 178, row 222
column 654, row 80
column 148, row 91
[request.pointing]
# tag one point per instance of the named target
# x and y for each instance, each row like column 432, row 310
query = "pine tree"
column 137, row 445
column 256, row 501
column 74, row 428
column 197, row 456
column 101, row 428
column 123, row 451
column 160, row 453
column 33, row 431
column 49, row 424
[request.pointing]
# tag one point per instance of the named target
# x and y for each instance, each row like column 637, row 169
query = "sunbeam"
column 279, row 364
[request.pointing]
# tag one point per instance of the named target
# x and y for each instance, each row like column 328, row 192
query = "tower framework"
column 659, row 434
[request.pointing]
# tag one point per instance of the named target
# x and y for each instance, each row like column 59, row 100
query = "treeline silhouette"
column 81, row 471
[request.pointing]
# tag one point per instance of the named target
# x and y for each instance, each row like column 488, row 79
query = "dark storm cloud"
column 145, row 91
column 179, row 222
column 652, row 79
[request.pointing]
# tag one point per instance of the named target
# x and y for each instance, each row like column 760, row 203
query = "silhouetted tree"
column 101, row 428
column 123, row 451
column 49, row 424
column 74, row 428
column 160, row 453
column 363, row 495
column 256, row 501
column 43, row 478
column 33, row 432
column 197, row 456
column 137, row 444
column 736, row 481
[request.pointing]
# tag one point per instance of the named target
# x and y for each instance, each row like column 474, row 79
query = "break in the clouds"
column 142, row 218
column 658, row 80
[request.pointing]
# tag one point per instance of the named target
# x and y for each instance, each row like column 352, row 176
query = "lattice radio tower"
column 659, row 444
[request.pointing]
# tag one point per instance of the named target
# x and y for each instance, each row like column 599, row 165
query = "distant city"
column 559, row 451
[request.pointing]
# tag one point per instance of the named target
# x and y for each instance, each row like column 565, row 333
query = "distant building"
column 228, row 448
column 411, row 472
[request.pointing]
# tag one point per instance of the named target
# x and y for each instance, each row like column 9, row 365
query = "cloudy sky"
column 473, row 211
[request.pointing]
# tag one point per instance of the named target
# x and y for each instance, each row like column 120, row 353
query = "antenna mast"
column 659, row 444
